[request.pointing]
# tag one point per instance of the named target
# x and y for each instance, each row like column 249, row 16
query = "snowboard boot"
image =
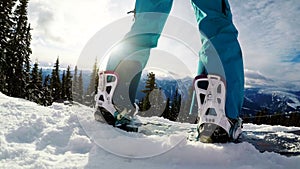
column 213, row 125
column 106, row 111
column 235, row 129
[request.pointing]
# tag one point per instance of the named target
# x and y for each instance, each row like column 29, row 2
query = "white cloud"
column 61, row 28
column 269, row 30
column 269, row 34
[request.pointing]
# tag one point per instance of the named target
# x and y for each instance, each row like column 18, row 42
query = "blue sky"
column 269, row 35
column 269, row 30
column 295, row 59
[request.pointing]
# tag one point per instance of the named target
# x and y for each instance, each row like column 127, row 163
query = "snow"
column 65, row 136
column 267, row 128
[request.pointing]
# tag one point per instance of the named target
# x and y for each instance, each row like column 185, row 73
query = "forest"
column 22, row 78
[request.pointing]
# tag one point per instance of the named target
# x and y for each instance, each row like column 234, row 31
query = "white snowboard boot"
column 213, row 124
column 106, row 111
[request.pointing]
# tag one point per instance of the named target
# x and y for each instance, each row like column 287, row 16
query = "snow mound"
column 33, row 136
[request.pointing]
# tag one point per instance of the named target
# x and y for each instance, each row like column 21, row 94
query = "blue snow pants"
column 218, row 37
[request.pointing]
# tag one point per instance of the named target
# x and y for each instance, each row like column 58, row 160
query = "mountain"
column 261, row 92
column 168, row 85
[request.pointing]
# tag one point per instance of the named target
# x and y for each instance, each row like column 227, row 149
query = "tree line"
column 18, row 77
column 155, row 103
column 278, row 118
column 15, row 38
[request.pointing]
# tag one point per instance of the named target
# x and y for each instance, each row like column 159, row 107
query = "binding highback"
column 211, row 97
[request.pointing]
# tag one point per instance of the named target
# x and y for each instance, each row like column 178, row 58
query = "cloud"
column 120, row 7
column 61, row 28
column 42, row 16
column 269, row 34
column 269, row 29
column 255, row 75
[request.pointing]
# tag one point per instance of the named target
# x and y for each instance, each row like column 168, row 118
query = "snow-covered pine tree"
column 6, row 25
column 15, row 47
column 20, row 43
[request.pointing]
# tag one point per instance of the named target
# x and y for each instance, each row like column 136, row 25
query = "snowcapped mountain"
column 264, row 93
column 261, row 92
column 67, row 136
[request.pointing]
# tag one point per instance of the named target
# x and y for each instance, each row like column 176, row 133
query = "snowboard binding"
column 213, row 125
column 106, row 111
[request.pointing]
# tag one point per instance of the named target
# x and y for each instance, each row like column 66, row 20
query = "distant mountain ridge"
column 261, row 92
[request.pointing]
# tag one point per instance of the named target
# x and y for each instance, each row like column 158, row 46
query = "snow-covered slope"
column 32, row 136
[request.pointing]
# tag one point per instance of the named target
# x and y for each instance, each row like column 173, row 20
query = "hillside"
column 33, row 136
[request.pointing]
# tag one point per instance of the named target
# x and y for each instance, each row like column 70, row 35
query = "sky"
column 268, row 31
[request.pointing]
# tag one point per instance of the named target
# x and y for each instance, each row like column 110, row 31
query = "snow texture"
column 64, row 136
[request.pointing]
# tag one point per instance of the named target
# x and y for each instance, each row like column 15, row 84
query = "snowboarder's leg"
column 130, row 56
column 220, row 44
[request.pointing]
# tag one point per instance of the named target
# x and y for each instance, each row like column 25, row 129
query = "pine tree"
column 80, row 88
column 96, row 81
column 92, row 88
column 20, row 43
column 75, row 85
column 150, row 85
column 6, row 34
column 55, row 83
column 261, row 116
column 35, row 86
column 185, row 115
column 167, row 112
column 27, row 67
column 171, row 112
column 157, row 101
column 175, row 109
column 41, row 76
column 27, row 74
column 274, row 119
column 47, row 97
column 63, row 85
column 68, row 85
